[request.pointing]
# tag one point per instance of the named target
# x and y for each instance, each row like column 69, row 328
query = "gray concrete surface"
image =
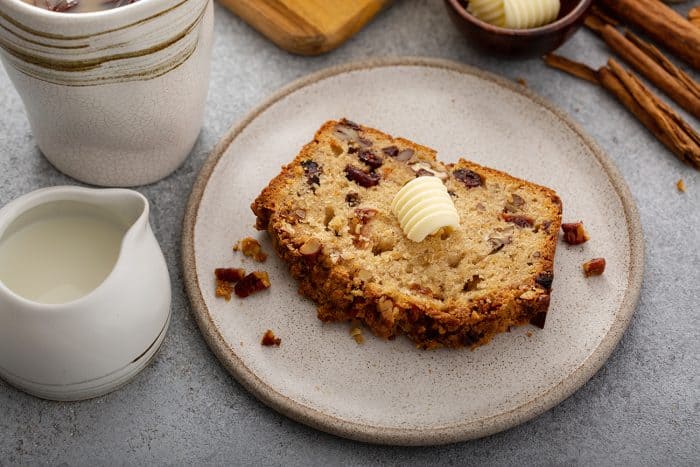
column 643, row 407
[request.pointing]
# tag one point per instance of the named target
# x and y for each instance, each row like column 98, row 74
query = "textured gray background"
column 643, row 407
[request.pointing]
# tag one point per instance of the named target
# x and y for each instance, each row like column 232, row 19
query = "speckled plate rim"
column 455, row 432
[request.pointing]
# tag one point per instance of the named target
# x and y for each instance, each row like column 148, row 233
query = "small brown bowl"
column 521, row 43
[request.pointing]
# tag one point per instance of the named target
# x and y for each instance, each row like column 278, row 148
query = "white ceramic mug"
column 99, row 339
column 114, row 98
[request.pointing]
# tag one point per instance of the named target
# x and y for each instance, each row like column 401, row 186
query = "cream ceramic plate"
column 390, row 392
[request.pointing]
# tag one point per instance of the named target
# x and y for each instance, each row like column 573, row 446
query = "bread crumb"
column 251, row 248
column 356, row 333
column 269, row 339
column 528, row 334
column 224, row 289
column 521, row 81
column 680, row 184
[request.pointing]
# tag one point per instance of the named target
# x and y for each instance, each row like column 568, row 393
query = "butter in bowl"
column 518, row 28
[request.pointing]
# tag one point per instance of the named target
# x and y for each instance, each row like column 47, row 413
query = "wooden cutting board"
column 306, row 27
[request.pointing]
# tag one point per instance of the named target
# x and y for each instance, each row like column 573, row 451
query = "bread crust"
column 341, row 296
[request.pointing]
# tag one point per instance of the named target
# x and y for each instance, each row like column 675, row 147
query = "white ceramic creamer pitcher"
column 84, row 291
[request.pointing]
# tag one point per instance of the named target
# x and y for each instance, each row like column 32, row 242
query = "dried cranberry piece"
column 269, row 339
column 520, row 221
column 391, row 151
column 362, row 178
column 312, row 171
column 470, row 178
column 370, row 158
column 545, row 279
column 253, row 282
column 229, row 274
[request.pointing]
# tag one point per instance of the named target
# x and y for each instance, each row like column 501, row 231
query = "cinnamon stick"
column 610, row 82
column 685, row 141
column 665, row 124
column 573, row 68
column 694, row 16
column 662, row 24
column 667, row 64
column 680, row 89
column 595, row 23
column 603, row 16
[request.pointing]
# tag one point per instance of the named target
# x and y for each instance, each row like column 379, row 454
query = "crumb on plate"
column 680, row 184
column 594, row 267
column 251, row 248
column 269, row 339
column 224, row 289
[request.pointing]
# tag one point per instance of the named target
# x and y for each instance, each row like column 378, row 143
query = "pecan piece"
column 470, row 178
column 574, row 233
column 229, row 274
column 362, row 178
column 251, row 248
column 520, row 221
column 594, row 267
column 405, row 155
column 370, row 158
column 312, row 171
column 269, row 339
column 514, row 204
column 310, row 248
column 497, row 243
column 423, row 169
column 359, row 226
column 253, row 282
column 346, row 131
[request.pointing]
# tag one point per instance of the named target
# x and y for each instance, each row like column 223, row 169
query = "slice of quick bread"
column 329, row 216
